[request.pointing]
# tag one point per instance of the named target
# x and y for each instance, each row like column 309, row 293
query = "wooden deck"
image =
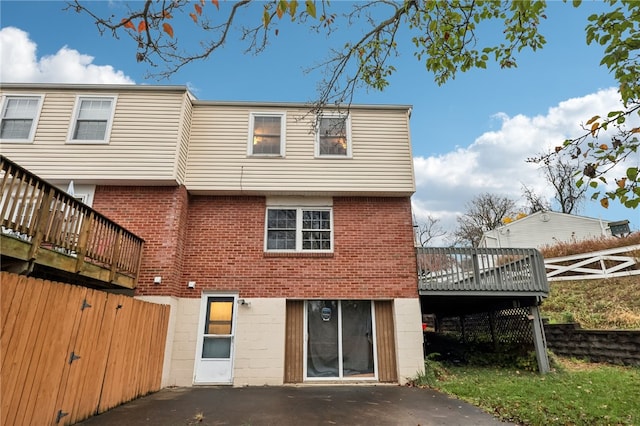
column 46, row 232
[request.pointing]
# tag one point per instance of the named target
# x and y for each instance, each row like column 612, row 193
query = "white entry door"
column 214, row 355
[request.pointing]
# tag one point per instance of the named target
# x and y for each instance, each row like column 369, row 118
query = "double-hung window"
column 299, row 229
column 267, row 134
column 333, row 138
column 19, row 118
column 92, row 120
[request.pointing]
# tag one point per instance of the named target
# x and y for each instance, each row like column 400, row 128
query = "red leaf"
column 142, row 26
column 167, row 29
column 215, row 2
column 194, row 17
column 128, row 24
column 198, row 9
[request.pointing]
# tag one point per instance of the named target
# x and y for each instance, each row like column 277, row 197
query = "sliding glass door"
column 340, row 339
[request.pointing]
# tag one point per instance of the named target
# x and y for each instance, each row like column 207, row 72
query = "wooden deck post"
column 539, row 341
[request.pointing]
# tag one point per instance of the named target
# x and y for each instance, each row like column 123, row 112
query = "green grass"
column 574, row 394
column 595, row 304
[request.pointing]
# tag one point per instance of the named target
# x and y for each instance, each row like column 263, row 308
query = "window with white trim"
column 267, row 134
column 299, row 229
column 19, row 118
column 93, row 118
column 333, row 138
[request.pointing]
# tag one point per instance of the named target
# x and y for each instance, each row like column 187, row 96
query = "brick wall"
column 222, row 246
column 157, row 214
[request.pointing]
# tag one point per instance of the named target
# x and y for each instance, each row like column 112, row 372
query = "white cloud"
column 20, row 64
column 496, row 161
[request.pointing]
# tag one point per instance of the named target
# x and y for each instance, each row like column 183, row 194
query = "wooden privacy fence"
column 70, row 352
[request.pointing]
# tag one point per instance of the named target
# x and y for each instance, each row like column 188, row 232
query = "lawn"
column 575, row 393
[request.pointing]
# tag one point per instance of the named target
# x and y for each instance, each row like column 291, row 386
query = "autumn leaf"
column 216, row 4
column 311, row 8
column 558, row 148
column 128, row 24
column 621, row 182
column 266, row 18
column 604, row 146
column 142, row 26
column 592, row 119
column 198, row 9
column 279, row 11
column 635, row 130
column 594, row 128
column 167, row 29
column 604, row 203
column 166, row 14
column 194, row 17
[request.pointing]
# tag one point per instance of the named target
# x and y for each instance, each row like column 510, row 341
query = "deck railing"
column 36, row 212
column 481, row 270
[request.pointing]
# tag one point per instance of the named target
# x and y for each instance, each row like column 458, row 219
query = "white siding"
column 218, row 161
column 143, row 145
column 548, row 228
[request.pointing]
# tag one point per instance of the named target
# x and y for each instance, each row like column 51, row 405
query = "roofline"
column 142, row 87
column 195, row 101
column 307, row 105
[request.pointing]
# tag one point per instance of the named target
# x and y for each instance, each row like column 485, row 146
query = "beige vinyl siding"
column 183, row 139
column 218, row 162
column 142, row 147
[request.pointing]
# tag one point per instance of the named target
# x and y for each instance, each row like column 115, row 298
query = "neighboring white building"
column 546, row 228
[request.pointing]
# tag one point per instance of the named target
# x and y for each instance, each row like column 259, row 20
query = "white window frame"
column 36, row 118
column 76, row 112
column 347, row 118
column 299, row 216
column 283, row 121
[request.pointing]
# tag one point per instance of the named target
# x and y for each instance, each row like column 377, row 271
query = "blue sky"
column 469, row 136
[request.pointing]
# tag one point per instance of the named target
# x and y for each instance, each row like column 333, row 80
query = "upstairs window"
column 266, row 135
column 299, row 229
column 19, row 118
column 333, row 136
column 92, row 119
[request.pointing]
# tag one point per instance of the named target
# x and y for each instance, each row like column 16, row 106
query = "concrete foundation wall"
column 260, row 340
column 408, row 323
column 260, row 332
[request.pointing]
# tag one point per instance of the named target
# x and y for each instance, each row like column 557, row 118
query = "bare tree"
column 484, row 213
column 428, row 231
column 534, row 201
column 561, row 174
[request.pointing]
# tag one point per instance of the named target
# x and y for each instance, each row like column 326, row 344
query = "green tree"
column 444, row 34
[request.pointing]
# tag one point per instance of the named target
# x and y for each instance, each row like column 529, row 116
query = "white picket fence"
column 600, row 264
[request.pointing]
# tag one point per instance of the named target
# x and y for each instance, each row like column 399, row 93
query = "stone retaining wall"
column 620, row 347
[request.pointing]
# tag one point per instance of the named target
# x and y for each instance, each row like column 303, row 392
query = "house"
column 281, row 240
column 546, row 228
